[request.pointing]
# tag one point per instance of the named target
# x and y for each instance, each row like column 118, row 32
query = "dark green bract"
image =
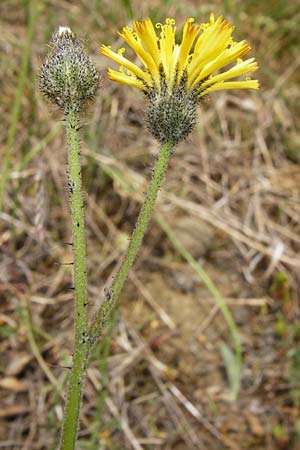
column 172, row 115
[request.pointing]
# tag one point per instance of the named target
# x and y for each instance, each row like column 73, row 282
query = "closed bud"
column 68, row 77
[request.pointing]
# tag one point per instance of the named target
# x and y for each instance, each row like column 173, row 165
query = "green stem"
column 82, row 343
column 135, row 243
column 15, row 114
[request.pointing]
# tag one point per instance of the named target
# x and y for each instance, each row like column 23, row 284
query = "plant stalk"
column 82, row 342
column 112, row 294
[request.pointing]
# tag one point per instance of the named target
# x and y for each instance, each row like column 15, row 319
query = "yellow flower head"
column 176, row 76
column 203, row 51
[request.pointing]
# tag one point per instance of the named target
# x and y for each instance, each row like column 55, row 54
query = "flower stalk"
column 82, row 343
column 69, row 79
column 113, row 292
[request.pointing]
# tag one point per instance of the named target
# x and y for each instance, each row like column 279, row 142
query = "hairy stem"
column 82, row 343
column 135, row 243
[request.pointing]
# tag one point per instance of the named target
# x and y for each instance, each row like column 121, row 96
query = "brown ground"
column 231, row 198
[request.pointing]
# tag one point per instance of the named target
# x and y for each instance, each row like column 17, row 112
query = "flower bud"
column 172, row 113
column 68, row 77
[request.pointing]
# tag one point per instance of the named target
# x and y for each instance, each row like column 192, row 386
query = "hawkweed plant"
column 69, row 79
column 174, row 77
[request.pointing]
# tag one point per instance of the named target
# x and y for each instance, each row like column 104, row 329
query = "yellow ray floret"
column 204, row 50
column 146, row 58
column 147, row 35
column 189, row 34
column 119, row 77
column 133, row 70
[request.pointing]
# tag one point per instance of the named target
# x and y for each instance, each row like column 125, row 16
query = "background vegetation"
column 230, row 202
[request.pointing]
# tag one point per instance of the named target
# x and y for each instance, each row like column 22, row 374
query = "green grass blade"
column 16, row 110
column 217, row 297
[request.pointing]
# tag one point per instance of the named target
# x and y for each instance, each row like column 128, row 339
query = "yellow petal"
column 144, row 56
column 189, row 34
column 119, row 77
column 106, row 51
column 213, row 40
column 241, row 68
column 118, row 58
column 224, row 85
column 146, row 32
column 223, row 59
column 166, row 47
